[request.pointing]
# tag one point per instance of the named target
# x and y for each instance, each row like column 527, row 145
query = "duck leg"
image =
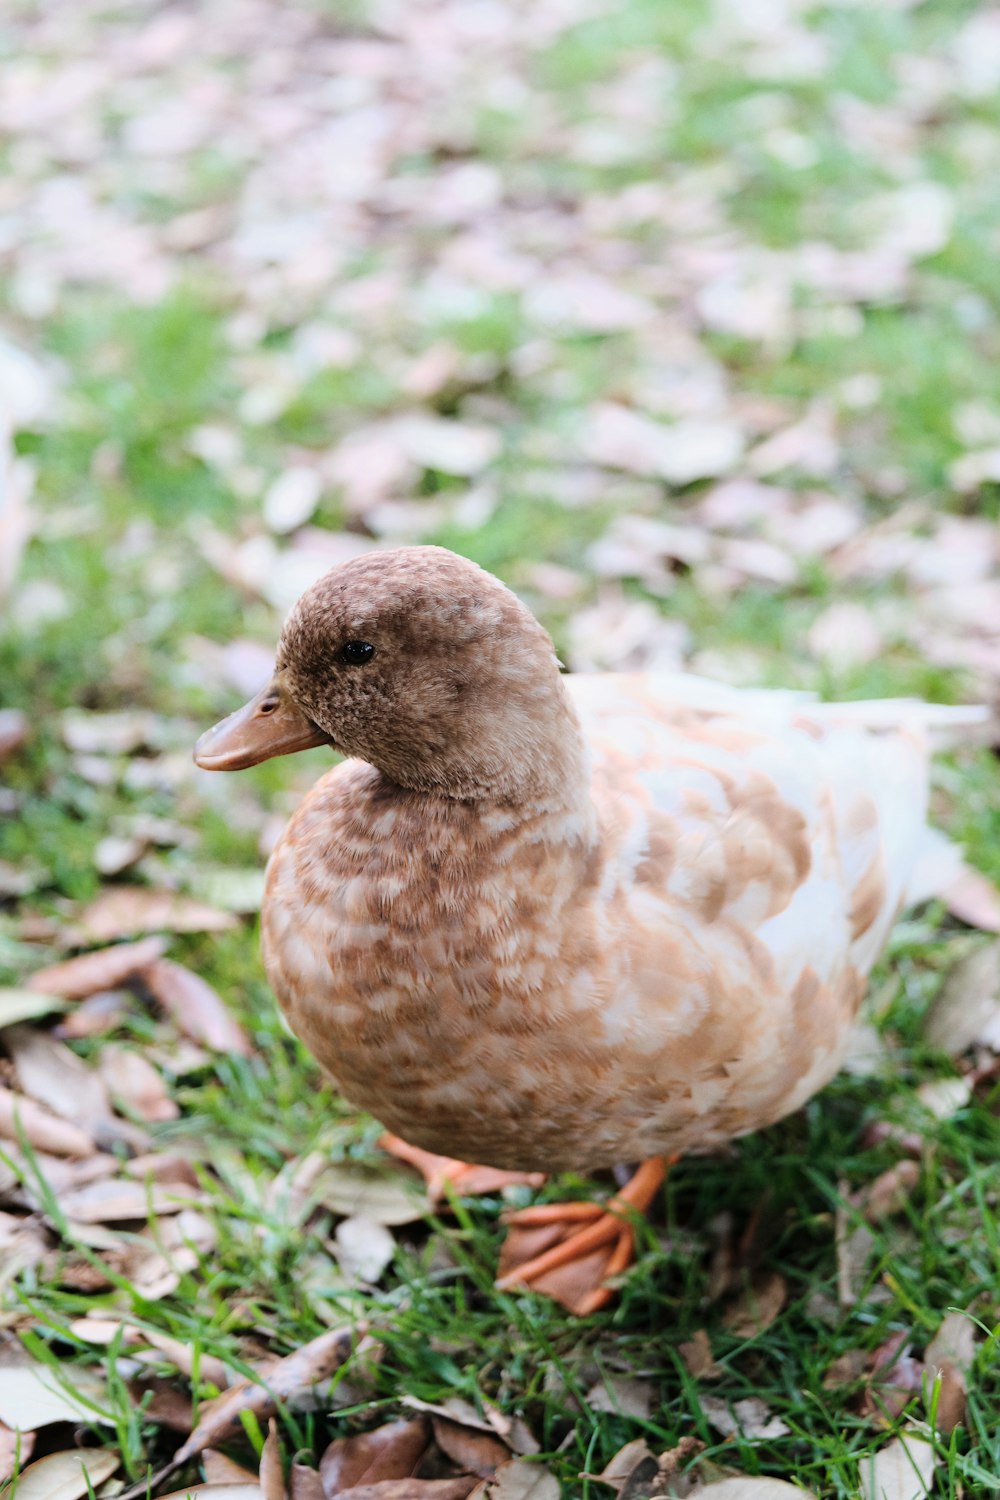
column 568, row 1251
column 466, row 1178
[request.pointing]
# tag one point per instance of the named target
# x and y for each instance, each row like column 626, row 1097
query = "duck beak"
column 270, row 724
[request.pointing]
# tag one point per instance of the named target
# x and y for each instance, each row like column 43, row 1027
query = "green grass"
column 124, row 505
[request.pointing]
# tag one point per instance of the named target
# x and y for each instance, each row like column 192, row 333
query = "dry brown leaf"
column 624, row 1394
column 76, row 978
column 903, row 1470
column 43, row 1130
column 26, row 1005
column 122, row 1199
column 67, row 1475
column 634, row 1455
column 32, row 1395
column 15, row 1450
column 891, row 1191
column 363, row 1248
column 384, row 1196
column 955, row 1341
column 412, row 1489
column 392, row 1451
column 55, row 1077
column 847, row 1369
column 22, row 1243
column 272, row 1478
column 127, row 910
column 476, row 1452
column 756, row 1307
column 968, row 1008
column 974, row 900
column 518, row 1480
column 306, row 1367
column 750, row 1417
column 218, row 1469
column 214, row 1492
column 135, row 1083
column 98, row 1014
column 699, row 1361
column 195, row 1007
column 854, row 1247
column 754, row 1489
column 305, row 1483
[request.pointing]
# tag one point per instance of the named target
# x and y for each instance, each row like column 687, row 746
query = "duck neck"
column 530, row 754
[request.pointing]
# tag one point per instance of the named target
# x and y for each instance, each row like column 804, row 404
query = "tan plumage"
column 550, row 922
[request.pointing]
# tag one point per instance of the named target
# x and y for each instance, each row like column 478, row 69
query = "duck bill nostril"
column 270, row 724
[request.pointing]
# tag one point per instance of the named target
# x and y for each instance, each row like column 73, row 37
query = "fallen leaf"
column 756, row 1307
column 272, row 1479
column 26, row 1005
column 67, row 1475
column 98, row 1014
column 32, row 1395
column 411, row 1489
column 518, row 1480
column 974, row 900
column 106, row 969
column 891, row 1191
column 944, row 1097
column 196, row 1009
column 363, row 1248
column 967, row 1010
column 121, row 1200
column 215, row 1492
column 903, row 1470
column 305, row 1483
column 847, row 1369
column 749, row 1418
column 623, row 1394
column 699, row 1361
column 360, row 1192
column 41, row 1129
column 23, row 1243
column 219, row 1469
column 55, row 1077
column 476, row 1452
column 126, row 910
column 135, row 1083
column 755, row 1489
column 620, row 438
column 955, row 1341
column 635, row 1455
column 15, row 1450
column 854, row 1246
column 305, row 1368
column 392, row 1451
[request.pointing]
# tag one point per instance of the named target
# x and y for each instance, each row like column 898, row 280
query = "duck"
column 537, row 922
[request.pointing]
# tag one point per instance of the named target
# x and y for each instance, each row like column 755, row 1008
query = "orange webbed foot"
column 464, row 1177
column 569, row 1251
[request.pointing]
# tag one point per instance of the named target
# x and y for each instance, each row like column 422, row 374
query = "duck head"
column 421, row 663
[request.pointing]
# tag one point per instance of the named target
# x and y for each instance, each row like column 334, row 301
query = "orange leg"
column 465, row 1178
column 568, row 1251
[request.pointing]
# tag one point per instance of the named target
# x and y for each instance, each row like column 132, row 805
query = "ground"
column 684, row 320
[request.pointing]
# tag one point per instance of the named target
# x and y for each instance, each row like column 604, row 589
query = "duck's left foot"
column 569, row 1251
column 464, row 1177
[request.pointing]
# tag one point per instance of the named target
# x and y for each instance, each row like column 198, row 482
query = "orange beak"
column 270, row 724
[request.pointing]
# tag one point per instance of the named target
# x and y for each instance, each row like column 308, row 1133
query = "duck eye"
column 356, row 652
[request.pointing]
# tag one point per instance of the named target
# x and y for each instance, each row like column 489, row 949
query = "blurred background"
column 683, row 319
